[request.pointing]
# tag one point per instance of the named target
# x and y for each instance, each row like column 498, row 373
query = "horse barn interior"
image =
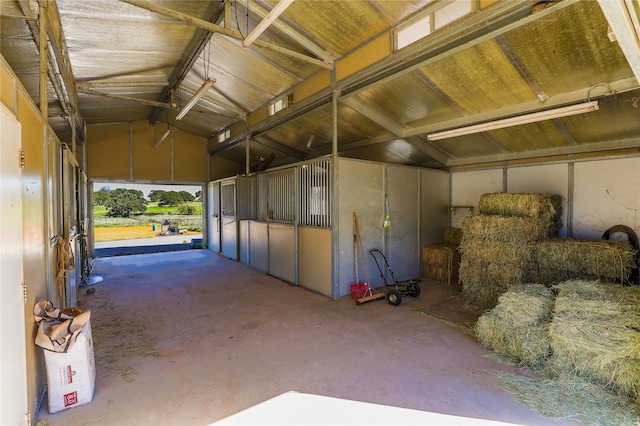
column 320, row 132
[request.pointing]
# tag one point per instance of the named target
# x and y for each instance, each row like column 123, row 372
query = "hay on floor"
column 518, row 325
column 561, row 259
column 595, row 332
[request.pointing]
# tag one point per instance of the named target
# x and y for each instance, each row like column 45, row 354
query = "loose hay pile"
column 595, row 333
column 519, row 325
column 561, row 259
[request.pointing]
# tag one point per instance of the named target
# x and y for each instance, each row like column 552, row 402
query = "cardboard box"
column 71, row 375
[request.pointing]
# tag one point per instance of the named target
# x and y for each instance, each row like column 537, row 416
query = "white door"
column 13, row 354
column 214, row 216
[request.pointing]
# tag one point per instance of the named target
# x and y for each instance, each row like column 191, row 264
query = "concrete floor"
column 190, row 338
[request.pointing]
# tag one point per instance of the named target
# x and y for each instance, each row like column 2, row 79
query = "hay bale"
column 518, row 325
column 483, row 282
column 453, row 236
column 543, row 206
column 595, row 333
column 561, row 259
column 441, row 262
column 508, row 229
column 498, row 252
column 522, row 205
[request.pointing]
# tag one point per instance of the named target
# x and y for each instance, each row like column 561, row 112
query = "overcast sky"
column 146, row 188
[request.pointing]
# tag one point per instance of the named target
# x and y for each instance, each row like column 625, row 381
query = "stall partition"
column 296, row 221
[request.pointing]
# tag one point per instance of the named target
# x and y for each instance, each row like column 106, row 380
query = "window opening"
column 280, row 104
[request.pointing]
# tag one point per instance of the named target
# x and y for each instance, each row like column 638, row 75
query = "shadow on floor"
column 445, row 303
column 125, row 251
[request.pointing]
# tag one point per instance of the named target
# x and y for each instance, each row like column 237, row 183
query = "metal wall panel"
column 314, row 258
column 606, row 194
column 243, row 241
column 360, row 190
column 259, row 245
column 403, row 237
column 282, row 254
column 434, row 205
column 467, row 186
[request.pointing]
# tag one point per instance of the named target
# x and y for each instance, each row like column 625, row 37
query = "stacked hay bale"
column 561, row 259
column 441, row 262
column 595, row 333
column 518, row 326
column 497, row 245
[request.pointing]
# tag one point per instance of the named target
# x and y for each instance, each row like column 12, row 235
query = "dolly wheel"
column 394, row 297
column 414, row 290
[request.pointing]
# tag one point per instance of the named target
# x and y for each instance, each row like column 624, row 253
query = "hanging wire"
column 609, row 92
column 207, row 59
column 235, row 9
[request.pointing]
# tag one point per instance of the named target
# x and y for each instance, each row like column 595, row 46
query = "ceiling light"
column 163, row 137
column 516, row 121
column 200, row 93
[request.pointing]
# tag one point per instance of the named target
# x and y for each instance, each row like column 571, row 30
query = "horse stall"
column 296, row 222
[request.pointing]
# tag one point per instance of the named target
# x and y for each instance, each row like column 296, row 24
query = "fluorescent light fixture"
column 200, row 93
column 516, row 121
column 264, row 24
column 162, row 138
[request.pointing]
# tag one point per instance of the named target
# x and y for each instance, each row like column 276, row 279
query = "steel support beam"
column 624, row 18
column 327, row 55
column 144, row 4
column 549, row 152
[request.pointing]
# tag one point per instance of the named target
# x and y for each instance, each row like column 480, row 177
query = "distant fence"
column 181, row 221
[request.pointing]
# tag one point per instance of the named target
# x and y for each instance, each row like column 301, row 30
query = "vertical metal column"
column 335, row 255
column 44, row 52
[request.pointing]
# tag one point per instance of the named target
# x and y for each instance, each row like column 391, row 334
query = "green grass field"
column 101, row 220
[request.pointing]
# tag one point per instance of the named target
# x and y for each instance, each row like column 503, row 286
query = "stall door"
column 229, row 220
column 213, row 234
column 13, row 390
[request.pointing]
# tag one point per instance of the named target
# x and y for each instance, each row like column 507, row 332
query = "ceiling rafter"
column 517, row 63
column 195, row 48
column 482, row 26
column 328, row 55
column 128, row 99
column 59, row 72
column 144, row 4
column 488, row 23
column 263, row 140
column 375, row 115
column 262, row 26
